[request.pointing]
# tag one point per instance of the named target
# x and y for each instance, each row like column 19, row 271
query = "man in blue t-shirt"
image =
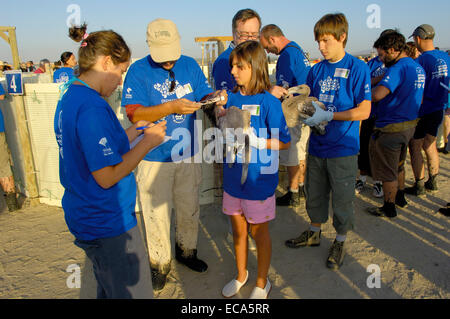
column 377, row 70
column 245, row 26
column 291, row 70
column 436, row 65
column 6, row 176
column 342, row 83
column 166, row 85
column 398, row 96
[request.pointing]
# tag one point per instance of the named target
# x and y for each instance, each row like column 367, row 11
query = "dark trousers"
column 121, row 266
column 366, row 131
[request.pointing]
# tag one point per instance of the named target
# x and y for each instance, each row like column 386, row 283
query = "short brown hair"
column 252, row 53
column 244, row 15
column 106, row 43
column 271, row 30
column 333, row 23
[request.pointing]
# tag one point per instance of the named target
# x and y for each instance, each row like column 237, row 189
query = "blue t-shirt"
column 292, row 66
column 148, row 84
column 221, row 72
column 63, row 75
column 262, row 178
column 406, row 81
column 436, row 64
column 90, row 137
column 340, row 86
column 377, row 67
column 2, row 124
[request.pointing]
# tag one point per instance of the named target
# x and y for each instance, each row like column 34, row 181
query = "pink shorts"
column 255, row 211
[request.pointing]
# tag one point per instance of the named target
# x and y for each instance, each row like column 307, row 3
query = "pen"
column 142, row 127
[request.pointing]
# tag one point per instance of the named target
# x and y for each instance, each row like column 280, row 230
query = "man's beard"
column 390, row 63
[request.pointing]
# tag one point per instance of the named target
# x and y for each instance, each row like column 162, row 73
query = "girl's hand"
column 155, row 133
column 223, row 97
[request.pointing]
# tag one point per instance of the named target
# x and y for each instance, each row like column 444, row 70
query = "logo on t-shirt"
column 178, row 118
column 329, row 84
column 106, row 150
column 441, row 70
column 165, row 87
column 128, row 95
column 420, row 82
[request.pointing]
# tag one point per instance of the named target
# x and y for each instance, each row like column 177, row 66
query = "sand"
column 412, row 252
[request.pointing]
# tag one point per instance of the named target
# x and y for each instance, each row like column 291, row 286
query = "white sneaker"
column 378, row 189
column 233, row 287
column 259, row 293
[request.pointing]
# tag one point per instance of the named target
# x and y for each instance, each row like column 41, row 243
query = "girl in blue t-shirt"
column 96, row 165
column 252, row 204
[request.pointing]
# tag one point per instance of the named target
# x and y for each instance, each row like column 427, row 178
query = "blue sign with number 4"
column 14, row 82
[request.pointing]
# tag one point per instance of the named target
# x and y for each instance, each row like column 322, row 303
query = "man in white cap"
column 166, row 85
column 436, row 65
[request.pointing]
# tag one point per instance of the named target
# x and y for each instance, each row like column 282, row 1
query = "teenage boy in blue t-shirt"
column 436, row 65
column 245, row 26
column 342, row 83
column 398, row 97
column 166, row 85
column 291, row 70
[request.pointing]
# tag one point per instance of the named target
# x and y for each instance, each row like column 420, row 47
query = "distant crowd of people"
column 375, row 111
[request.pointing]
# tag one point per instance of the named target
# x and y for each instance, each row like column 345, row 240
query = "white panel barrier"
column 40, row 101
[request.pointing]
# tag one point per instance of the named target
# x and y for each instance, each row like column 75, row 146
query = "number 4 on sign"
column 13, row 84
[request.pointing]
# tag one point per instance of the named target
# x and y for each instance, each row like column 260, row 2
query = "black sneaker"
column 307, row 238
column 400, row 199
column 431, row 183
column 416, row 190
column 445, row 210
column 387, row 210
column 192, row 262
column 289, row 199
column 158, row 280
column 336, row 255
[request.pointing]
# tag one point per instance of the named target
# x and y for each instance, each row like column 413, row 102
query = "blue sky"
column 42, row 32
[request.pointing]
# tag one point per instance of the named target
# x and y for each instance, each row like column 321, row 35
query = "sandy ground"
column 412, row 252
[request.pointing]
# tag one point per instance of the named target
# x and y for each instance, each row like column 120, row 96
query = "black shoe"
column 445, row 210
column 417, row 190
column 400, row 199
column 387, row 210
column 11, row 201
column 431, row 183
column 191, row 261
column 336, row 255
column 158, row 280
column 307, row 238
column 443, row 149
column 289, row 199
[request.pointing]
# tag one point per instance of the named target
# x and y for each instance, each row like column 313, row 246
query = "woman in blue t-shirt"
column 65, row 73
column 252, row 204
column 96, row 165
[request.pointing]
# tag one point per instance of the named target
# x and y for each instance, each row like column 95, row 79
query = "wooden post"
column 22, row 123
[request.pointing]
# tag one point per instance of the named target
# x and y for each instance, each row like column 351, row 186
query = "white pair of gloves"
column 319, row 116
column 254, row 141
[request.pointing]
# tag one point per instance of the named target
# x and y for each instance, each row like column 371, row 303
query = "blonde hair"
column 253, row 54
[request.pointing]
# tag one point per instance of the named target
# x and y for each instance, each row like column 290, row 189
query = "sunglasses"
column 172, row 80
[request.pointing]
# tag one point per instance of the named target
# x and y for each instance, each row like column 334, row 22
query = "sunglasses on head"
column 172, row 80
